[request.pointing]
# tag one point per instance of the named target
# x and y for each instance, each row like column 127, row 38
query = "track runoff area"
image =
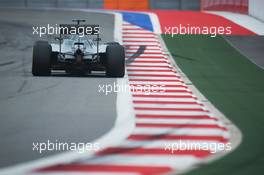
column 231, row 81
column 174, row 130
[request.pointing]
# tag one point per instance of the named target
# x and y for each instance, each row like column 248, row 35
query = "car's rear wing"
column 78, row 29
column 73, row 29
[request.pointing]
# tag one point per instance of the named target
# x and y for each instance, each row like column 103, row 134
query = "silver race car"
column 78, row 51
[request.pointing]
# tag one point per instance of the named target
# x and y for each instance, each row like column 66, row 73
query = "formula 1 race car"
column 78, row 51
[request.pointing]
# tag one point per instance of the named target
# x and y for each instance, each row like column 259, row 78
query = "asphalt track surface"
column 250, row 46
column 160, row 118
column 59, row 107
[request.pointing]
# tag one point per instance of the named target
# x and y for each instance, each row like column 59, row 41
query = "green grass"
column 236, row 87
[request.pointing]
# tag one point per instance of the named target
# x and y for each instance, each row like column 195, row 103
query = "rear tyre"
column 113, row 43
column 41, row 64
column 115, row 61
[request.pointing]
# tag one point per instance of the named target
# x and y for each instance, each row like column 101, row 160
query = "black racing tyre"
column 41, row 64
column 115, row 61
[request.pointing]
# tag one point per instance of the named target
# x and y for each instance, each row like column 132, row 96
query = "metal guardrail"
column 175, row 4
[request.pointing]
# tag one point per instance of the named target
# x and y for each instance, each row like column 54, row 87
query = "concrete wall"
column 53, row 3
column 256, row 9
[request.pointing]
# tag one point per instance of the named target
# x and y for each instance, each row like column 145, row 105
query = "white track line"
column 170, row 112
column 182, row 131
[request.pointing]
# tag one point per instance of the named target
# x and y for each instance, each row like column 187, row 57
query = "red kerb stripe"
column 152, row 80
column 163, row 96
column 153, row 75
column 195, row 117
column 148, row 66
column 172, row 125
column 166, row 102
column 143, row 170
column 176, row 137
